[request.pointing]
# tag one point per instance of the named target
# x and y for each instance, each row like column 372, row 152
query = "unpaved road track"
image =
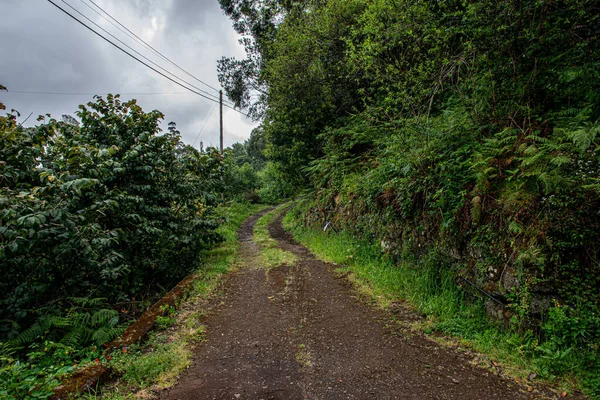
column 299, row 332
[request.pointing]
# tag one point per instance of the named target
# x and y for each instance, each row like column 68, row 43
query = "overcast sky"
column 44, row 50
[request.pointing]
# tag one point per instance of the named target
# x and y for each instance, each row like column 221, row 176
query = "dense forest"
column 466, row 132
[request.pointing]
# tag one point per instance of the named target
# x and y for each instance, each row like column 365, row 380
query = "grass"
column 430, row 289
column 156, row 363
column 158, row 366
column 271, row 255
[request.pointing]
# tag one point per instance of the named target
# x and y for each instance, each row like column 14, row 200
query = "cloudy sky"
column 44, row 50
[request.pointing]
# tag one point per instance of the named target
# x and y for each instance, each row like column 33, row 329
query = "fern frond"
column 568, row 112
column 515, row 227
column 530, row 150
column 82, row 318
column 582, row 138
column 85, row 302
column 62, row 322
column 7, row 351
column 593, row 186
column 74, row 336
column 102, row 317
column 549, row 181
column 105, row 335
column 113, row 322
column 29, row 335
column 559, row 161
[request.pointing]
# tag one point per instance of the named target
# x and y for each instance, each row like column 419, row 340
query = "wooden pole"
column 221, row 117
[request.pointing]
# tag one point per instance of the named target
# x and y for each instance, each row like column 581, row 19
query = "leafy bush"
column 273, row 185
column 93, row 214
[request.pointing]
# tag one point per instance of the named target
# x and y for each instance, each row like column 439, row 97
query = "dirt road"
column 299, row 332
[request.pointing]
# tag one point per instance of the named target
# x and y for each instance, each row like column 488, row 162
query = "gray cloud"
column 195, row 15
column 43, row 50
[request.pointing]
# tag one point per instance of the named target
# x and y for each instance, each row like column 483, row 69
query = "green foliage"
column 249, row 178
column 38, row 374
column 243, row 163
column 105, row 207
column 84, row 322
column 93, row 214
column 274, row 187
column 158, row 366
column 242, row 181
column 572, row 340
column 163, row 322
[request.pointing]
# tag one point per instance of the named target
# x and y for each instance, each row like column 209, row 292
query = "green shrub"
column 274, row 187
column 109, row 207
column 93, row 214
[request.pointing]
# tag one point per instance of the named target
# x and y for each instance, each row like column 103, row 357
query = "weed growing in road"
column 303, row 356
column 271, row 255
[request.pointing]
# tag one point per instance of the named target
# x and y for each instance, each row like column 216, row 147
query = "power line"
column 93, row 93
column 207, row 118
column 122, row 27
column 142, row 41
column 135, row 51
column 137, row 59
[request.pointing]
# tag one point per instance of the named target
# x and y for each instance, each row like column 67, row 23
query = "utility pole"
column 221, row 117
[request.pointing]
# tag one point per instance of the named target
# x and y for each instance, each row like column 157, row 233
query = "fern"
column 34, row 332
column 584, row 136
column 7, row 352
column 104, row 317
column 87, row 321
column 515, row 227
column 105, row 334
column 87, row 301
column 74, row 336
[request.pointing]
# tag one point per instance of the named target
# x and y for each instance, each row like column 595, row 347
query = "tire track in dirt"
column 299, row 332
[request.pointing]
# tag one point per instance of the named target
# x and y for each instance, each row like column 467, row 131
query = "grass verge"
column 430, row 290
column 271, row 256
column 155, row 364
